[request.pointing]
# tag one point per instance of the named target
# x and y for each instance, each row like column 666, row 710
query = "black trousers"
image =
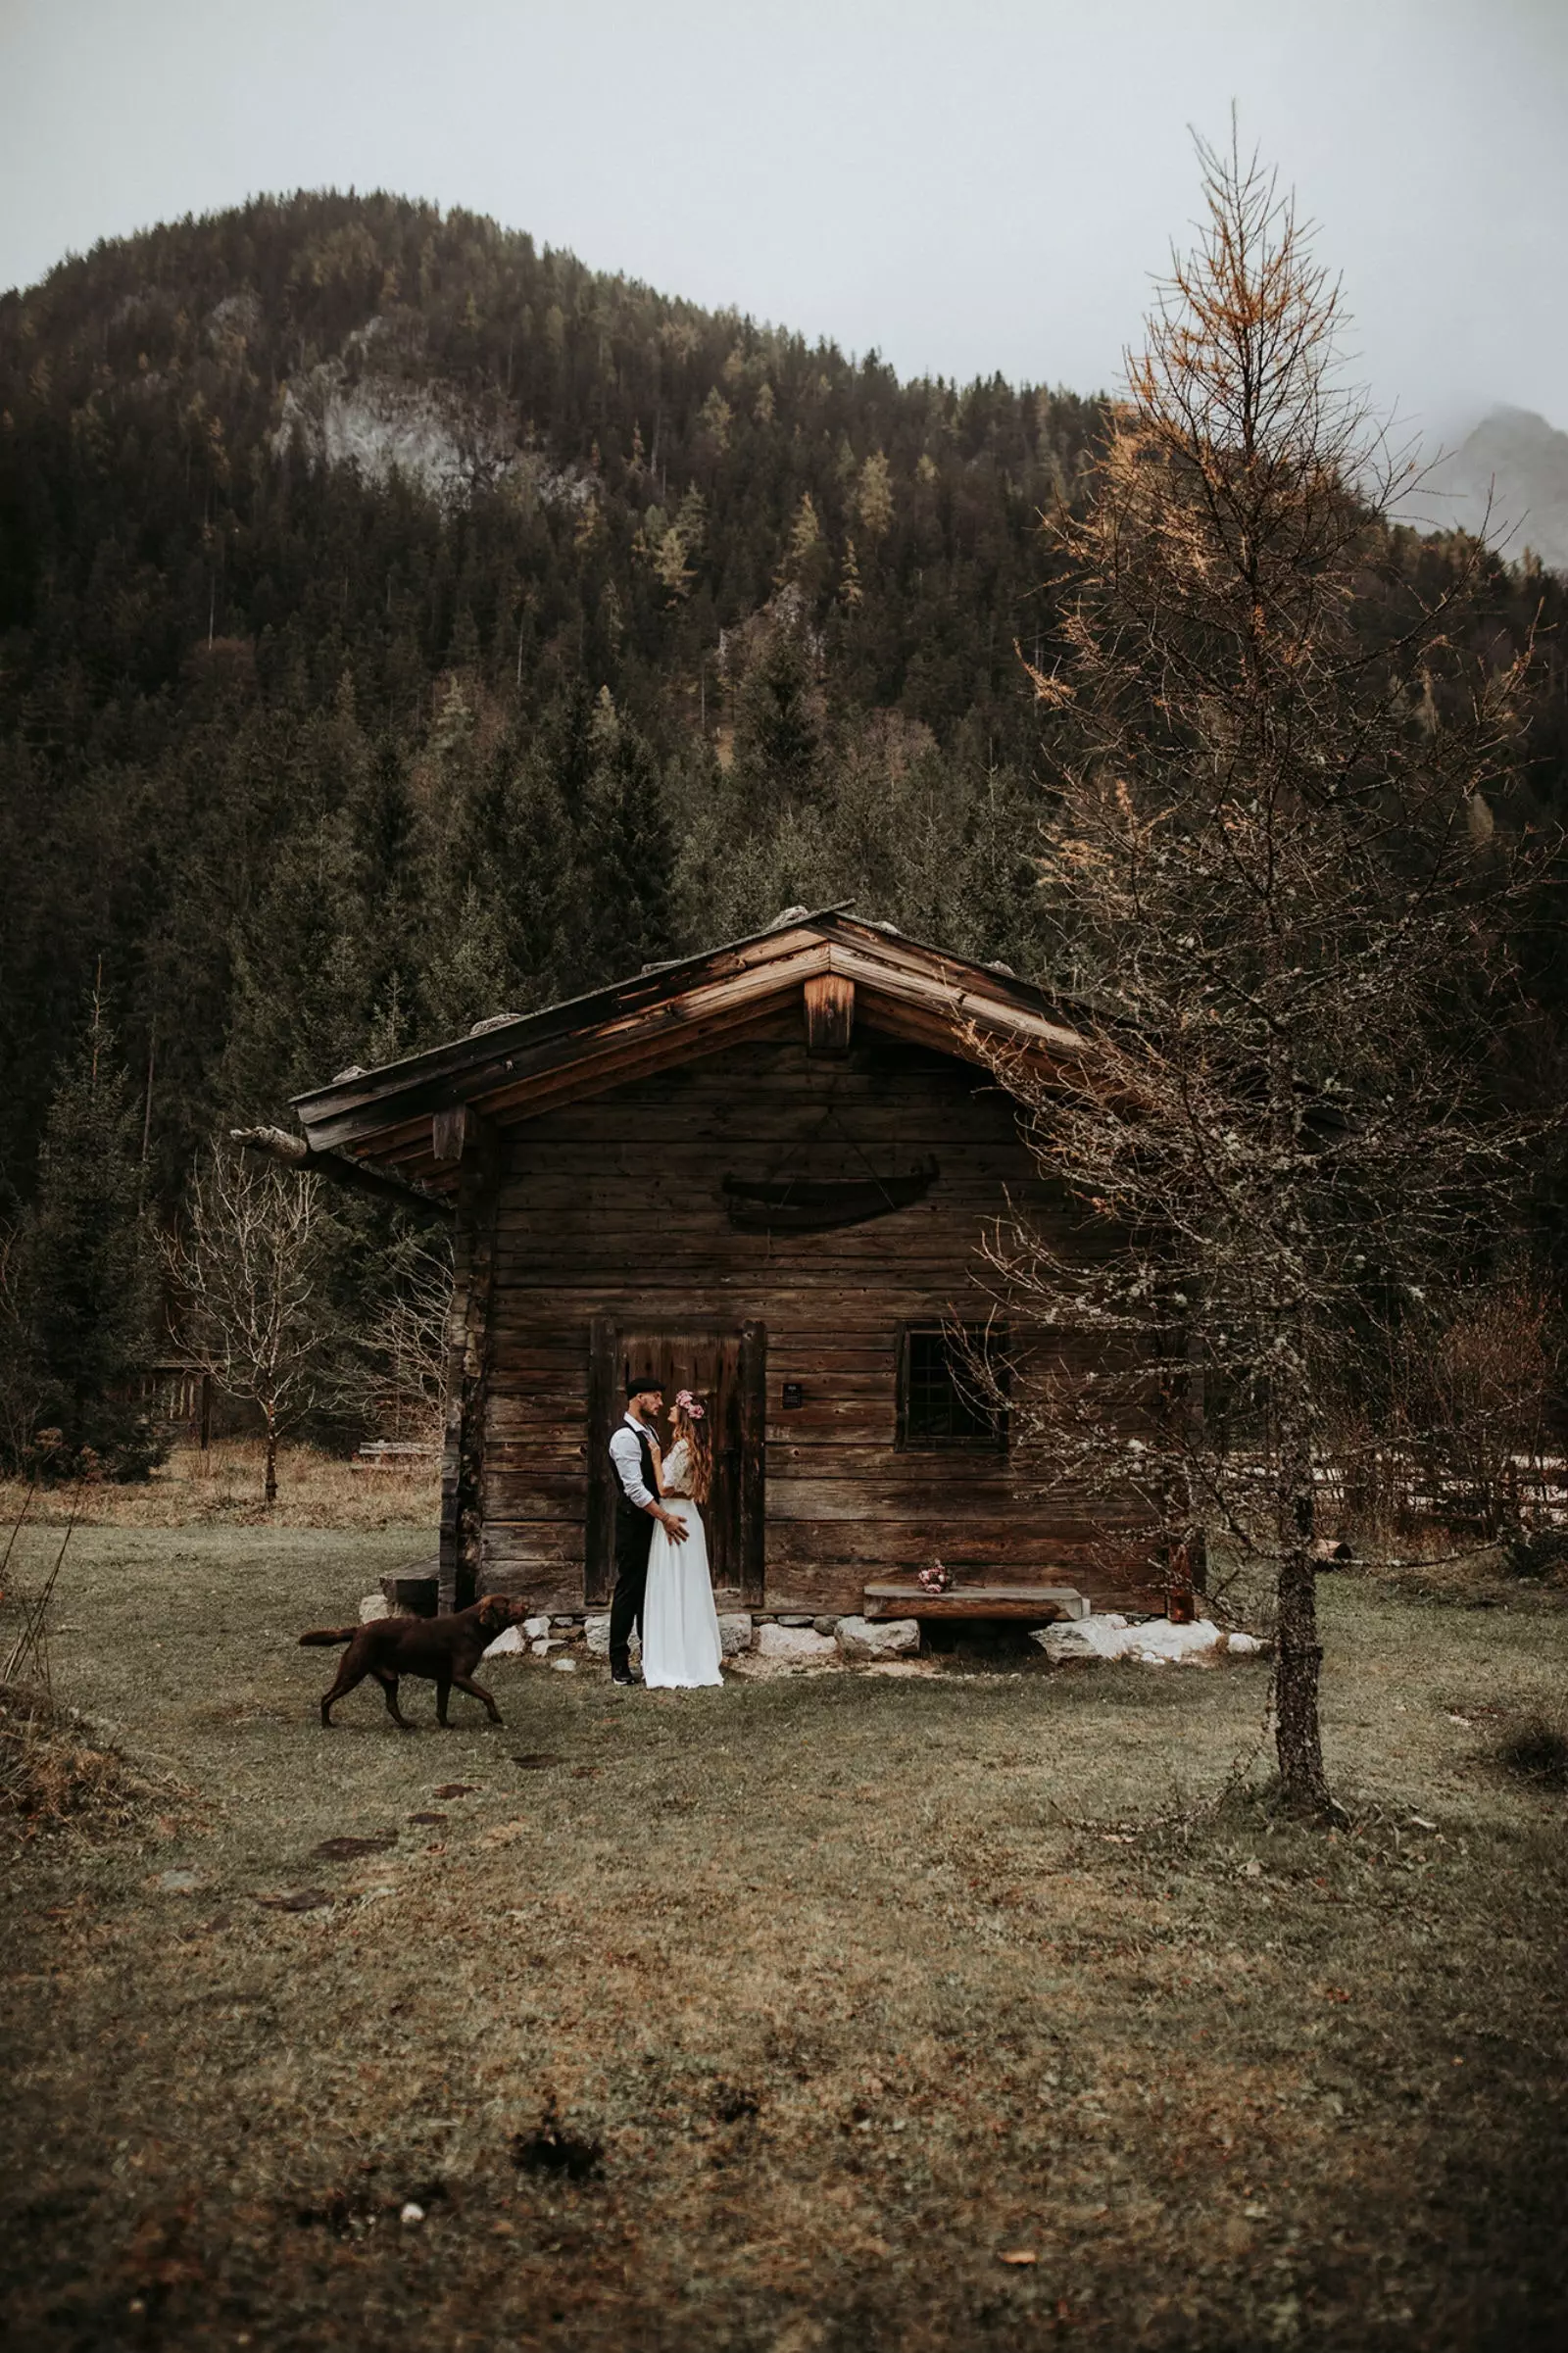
column 633, row 1543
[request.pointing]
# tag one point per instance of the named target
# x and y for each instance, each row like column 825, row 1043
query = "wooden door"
column 729, row 1369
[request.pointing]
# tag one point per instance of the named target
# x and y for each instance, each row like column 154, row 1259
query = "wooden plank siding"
column 611, row 1214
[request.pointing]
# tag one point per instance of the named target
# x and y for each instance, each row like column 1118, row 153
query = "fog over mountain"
column 1508, row 480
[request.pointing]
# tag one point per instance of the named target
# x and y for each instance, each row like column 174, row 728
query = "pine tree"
column 778, row 733
column 468, row 977
column 629, row 852
column 86, row 1256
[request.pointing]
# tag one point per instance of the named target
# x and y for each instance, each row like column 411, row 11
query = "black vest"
column 630, row 1516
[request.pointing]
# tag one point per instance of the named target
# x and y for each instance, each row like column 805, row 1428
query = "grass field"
column 860, row 1984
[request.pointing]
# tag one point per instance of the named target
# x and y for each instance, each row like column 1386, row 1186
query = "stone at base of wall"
column 374, row 1606
column 801, row 1641
column 508, row 1643
column 878, row 1638
column 1156, row 1642
column 853, row 1639
column 596, row 1633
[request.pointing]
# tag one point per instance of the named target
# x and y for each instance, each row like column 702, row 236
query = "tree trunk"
column 1298, row 1738
column 269, row 1492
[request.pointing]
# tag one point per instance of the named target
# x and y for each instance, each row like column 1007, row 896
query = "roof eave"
column 689, row 1007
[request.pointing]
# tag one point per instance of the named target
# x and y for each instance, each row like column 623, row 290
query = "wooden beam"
column 461, row 1129
column 339, row 1169
column 1041, row 1605
column 754, row 1462
column 605, row 1407
column 964, row 999
column 449, row 1132
column 468, row 1345
column 829, row 1013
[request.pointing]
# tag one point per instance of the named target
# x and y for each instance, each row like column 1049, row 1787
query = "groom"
column 637, row 1507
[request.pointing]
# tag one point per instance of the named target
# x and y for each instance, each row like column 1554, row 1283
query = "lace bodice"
column 675, row 1471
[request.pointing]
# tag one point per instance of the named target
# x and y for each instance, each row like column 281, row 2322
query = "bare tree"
column 1276, row 873
column 1474, row 1380
column 249, row 1266
column 400, row 1383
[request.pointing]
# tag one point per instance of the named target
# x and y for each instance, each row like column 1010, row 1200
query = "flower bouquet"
column 937, row 1579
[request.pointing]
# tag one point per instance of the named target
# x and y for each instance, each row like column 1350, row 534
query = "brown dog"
column 444, row 1651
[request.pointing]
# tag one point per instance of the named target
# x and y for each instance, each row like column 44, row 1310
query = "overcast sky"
column 977, row 185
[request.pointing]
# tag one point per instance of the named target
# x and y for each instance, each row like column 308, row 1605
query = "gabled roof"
column 511, row 1070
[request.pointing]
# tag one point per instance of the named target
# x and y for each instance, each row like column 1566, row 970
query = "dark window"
column 940, row 1401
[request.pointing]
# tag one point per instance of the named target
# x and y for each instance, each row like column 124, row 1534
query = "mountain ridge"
column 398, row 622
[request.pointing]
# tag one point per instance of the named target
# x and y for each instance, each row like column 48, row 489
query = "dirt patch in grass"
column 814, row 2004
column 1535, row 1750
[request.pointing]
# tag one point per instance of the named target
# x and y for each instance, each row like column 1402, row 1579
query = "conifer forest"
column 401, row 624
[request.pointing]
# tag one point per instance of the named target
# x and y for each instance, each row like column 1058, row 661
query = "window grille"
column 940, row 1404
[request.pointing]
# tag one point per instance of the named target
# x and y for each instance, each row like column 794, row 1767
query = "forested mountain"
column 399, row 624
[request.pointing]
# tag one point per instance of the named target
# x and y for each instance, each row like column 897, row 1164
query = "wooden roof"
column 816, row 974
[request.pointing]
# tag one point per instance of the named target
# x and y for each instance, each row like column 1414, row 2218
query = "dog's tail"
column 327, row 1638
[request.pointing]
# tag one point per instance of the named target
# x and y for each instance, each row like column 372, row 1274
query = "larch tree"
column 1276, row 871
column 873, row 497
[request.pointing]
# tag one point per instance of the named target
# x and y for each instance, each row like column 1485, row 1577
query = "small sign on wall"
column 794, row 1395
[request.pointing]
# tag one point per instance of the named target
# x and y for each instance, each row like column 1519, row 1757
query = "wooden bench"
column 393, row 1455
column 1043, row 1603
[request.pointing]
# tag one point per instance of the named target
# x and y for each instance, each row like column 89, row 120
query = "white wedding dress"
column 681, row 1625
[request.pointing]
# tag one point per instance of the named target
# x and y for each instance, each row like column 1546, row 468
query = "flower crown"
column 688, row 1405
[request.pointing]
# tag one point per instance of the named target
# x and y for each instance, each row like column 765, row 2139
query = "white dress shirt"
column 625, row 1452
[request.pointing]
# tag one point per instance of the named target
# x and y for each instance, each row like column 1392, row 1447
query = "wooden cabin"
column 762, row 1173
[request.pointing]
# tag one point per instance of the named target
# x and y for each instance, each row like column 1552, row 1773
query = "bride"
column 681, row 1625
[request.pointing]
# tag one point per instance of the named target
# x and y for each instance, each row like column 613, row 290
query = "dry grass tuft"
column 57, row 1768
column 223, row 1488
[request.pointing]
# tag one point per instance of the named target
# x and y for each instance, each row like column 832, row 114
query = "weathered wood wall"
column 614, row 1206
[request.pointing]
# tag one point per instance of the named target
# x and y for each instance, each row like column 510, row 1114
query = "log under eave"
column 276, row 1144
